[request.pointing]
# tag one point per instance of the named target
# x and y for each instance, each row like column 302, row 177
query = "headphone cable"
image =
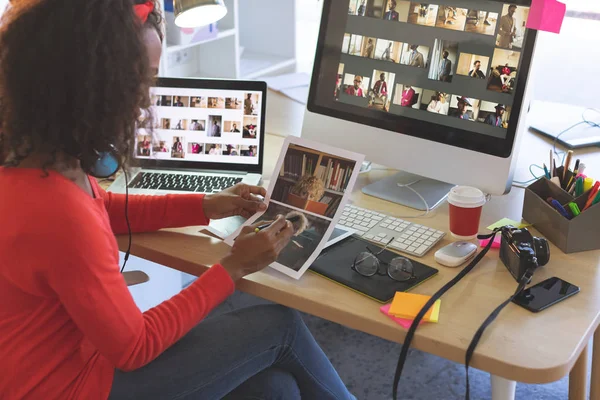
column 127, row 219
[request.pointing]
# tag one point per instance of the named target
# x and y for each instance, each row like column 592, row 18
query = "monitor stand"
column 395, row 189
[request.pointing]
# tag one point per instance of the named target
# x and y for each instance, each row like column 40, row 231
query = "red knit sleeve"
column 151, row 213
column 90, row 287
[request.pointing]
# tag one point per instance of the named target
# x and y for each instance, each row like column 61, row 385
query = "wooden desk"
column 519, row 346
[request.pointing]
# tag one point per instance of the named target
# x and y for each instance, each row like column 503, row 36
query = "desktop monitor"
column 436, row 90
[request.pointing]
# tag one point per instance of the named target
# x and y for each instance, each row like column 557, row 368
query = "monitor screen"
column 209, row 126
column 452, row 71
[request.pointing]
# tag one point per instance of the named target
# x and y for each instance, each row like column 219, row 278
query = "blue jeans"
column 262, row 352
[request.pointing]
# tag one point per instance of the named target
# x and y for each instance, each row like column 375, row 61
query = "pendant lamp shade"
column 196, row 13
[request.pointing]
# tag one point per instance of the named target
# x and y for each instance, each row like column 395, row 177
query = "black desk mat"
column 335, row 263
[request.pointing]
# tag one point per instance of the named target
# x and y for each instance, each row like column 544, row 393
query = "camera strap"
column 471, row 349
column 413, row 327
column 525, row 279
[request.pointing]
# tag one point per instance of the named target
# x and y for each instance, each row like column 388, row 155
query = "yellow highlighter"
column 588, row 183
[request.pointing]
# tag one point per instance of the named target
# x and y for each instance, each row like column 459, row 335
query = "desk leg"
column 578, row 377
column 595, row 386
column 503, row 389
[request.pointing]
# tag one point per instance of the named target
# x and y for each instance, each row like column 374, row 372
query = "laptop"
column 571, row 126
column 207, row 135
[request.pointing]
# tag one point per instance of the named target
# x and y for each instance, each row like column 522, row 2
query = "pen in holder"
column 579, row 233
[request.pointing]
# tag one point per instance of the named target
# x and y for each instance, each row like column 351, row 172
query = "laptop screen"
column 216, row 127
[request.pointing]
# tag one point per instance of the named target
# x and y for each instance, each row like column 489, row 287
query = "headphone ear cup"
column 106, row 165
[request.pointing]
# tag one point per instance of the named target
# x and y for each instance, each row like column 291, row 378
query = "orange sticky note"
column 408, row 305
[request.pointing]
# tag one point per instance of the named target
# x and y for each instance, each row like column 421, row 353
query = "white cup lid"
column 466, row 197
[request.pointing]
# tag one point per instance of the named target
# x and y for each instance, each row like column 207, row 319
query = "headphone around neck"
column 107, row 164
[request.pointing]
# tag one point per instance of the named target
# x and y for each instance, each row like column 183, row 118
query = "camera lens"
column 542, row 250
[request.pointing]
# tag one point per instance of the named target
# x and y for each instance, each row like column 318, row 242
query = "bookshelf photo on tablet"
column 313, row 180
column 311, row 184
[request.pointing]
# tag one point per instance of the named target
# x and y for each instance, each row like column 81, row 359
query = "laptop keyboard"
column 182, row 182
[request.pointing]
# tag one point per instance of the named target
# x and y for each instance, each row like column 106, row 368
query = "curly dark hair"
column 73, row 77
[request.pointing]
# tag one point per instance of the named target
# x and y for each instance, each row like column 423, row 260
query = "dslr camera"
column 520, row 251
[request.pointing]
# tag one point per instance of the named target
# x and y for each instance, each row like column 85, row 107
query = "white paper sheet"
column 336, row 169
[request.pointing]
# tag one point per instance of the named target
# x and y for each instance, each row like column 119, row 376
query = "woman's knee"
column 277, row 316
column 270, row 384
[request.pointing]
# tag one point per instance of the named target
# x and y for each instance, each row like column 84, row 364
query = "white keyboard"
column 409, row 238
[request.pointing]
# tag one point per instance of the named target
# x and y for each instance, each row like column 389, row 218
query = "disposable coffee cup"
column 466, row 204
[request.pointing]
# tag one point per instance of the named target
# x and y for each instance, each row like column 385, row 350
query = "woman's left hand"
column 240, row 199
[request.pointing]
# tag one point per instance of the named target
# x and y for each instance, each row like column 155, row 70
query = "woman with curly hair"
column 74, row 77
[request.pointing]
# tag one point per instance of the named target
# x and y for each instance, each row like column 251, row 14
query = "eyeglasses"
column 368, row 264
column 357, row 81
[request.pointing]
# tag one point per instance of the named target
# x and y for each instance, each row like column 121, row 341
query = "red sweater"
column 67, row 319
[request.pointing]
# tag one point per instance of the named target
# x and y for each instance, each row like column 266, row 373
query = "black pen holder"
column 581, row 233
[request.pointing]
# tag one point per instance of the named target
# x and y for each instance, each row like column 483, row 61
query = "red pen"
column 592, row 196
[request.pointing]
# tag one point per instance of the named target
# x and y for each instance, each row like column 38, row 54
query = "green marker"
column 574, row 209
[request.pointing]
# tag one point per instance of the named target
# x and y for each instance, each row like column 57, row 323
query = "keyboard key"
column 395, row 223
column 388, row 221
column 398, row 229
column 412, row 228
column 429, row 243
column 382, row 235
column 419, row 241
column 361, row 213
column 359, row 218
column 422, row 250
column 384, row 225
column 421, row 231
column 411, row 249
column 364, row 223
column 377, row 218
column 360, row 228
column 405, row 236
column 369, row 237
column 372, row 224
column 437, row 235
column 403, row 247
column 377, row 239
column 427, row 233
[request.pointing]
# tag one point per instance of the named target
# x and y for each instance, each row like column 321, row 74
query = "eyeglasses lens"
column 400, row 269
column 366, row 264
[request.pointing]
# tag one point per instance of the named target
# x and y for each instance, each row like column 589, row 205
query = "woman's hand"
column 253, row 251
column 240, row 199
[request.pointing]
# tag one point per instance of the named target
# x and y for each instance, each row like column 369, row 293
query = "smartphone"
column 545, row 294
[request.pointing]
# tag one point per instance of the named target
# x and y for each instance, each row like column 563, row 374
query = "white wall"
column 3, row 4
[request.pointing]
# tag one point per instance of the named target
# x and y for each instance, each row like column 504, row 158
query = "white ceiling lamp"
column 196, row 13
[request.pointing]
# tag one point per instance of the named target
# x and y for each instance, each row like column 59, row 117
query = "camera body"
column 520, row 251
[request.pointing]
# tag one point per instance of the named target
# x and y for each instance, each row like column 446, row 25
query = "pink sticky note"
column 546, row 15
column 495, row 245
column 405, row 323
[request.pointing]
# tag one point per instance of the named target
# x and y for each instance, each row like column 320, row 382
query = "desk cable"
column 127, row 219
column 427, row 208
column 560, row 154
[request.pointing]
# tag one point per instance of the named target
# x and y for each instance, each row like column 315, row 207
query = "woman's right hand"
column 252, row 252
